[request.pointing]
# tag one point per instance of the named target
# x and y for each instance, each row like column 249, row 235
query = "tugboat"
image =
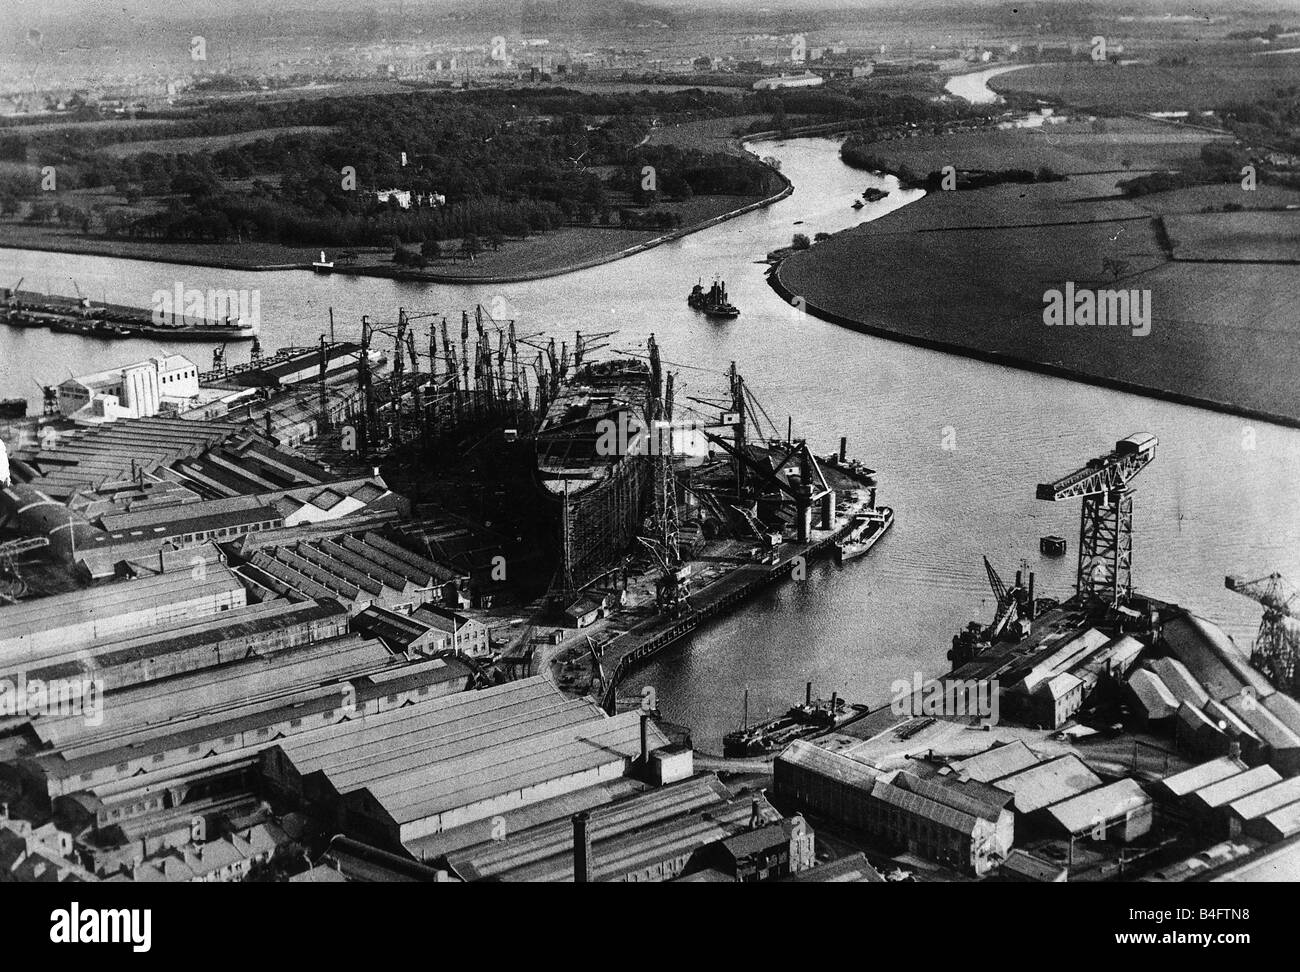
column 868, row 527
column 322, row 265
column 713, row 302
column 872, row 194
column 813, row 717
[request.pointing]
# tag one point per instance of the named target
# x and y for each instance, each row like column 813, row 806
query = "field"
column 209, row 143
column 969, row 271
column 1258, row 236
column 1205, row 84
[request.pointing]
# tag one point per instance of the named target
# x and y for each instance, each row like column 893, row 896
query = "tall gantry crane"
column 1278, row 642
column 1106, row 522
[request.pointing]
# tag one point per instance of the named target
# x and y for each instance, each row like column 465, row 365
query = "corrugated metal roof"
column 844, row 769
column 1267, row 800
column 1049, row 782
column 1188, row 780
column 1101, row 805
column 999, row 761
column 917, row 805
column 1212, row 657
column 1179, row 680
column 1232, row 788
column 1152, row 694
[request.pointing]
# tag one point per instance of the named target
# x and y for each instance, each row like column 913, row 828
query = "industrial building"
column 134, row 391
column 1120, row 811
column 940, row 822
column 692, row 827
column 47, row 629
column 405, row 773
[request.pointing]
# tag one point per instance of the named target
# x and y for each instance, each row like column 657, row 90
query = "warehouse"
column 1047, row 783
column 152, row 755
column 1206, row 802
column 825, row 783
column 1277, row 826
column 1179, row 681
column 1180, row 785
column 655, row 835
column 997, row 762
column 1212, row 658
column 54, row 628
column 460, row 759
column 1280, row 746
column 1119, row 811
column 1151, row 698
column 942, row 823
column 1261, row 803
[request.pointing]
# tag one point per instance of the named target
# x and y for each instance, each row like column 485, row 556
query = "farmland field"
column 969, row 271
column 209, row 143
column 1202, row 85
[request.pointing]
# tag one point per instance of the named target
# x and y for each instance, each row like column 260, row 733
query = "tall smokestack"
column 581, row 848
column 844, row 447
column 755, row 816
column 1031, row 595
column 807, row 693
column 645, row 739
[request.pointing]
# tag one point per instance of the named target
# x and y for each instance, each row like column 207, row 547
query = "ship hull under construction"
column 600, row 501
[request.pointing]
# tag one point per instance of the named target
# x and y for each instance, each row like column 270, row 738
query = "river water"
column 1207, row 506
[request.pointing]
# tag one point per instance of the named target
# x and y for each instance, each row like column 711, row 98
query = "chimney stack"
column 581, row 848
column 645, row 738
column 755, row 816
column 844, row 447
column 1031, row 595
column 807, row 693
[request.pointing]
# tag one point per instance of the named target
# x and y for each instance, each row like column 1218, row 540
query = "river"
column 1207, row 506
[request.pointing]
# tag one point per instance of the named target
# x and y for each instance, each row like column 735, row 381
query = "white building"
column 136, row 391
column 468, row 636
column 808, row 80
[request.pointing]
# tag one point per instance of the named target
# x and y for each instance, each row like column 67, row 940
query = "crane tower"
column 1106, row 522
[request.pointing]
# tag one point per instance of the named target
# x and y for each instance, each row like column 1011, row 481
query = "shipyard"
column 623, row 443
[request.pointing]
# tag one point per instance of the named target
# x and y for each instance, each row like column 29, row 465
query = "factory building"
column 46, row 629
column 1241, row 813
column 695, row 829
column 361, row 568
column 1120, row 811
column 996, row 762
column 1047, row 783
column 166, row 755
column 185, row 646
column 135, row 391
column 943, row 823
column 425, row 769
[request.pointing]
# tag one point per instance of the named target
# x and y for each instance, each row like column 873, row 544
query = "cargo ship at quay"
column 89, row 318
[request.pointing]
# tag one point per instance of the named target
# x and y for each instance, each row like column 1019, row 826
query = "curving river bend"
column 1207, row 506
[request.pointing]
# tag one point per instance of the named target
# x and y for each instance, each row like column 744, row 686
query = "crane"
column 1106, row 522
column 1278, row 642
column 12, row 585
column 673, row 587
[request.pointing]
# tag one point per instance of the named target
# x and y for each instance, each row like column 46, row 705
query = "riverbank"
column 554, row 253
column 970, row 272
column 545, row 255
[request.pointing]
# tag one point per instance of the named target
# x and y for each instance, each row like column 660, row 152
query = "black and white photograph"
column 508, row 442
